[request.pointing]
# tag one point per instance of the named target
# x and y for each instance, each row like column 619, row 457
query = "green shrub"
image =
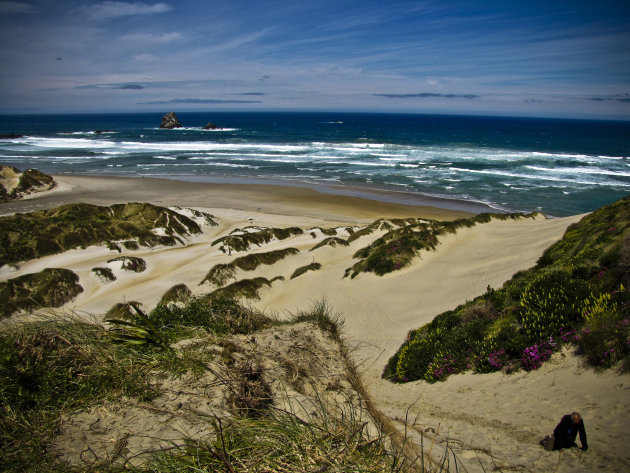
column 578, row 281
column 551, row 301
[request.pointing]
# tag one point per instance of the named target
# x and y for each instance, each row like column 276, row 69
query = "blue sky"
column 531, row 58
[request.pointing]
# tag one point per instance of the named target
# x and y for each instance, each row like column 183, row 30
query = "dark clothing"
column 566, row 432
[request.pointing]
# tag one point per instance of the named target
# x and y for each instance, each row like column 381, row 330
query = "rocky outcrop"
column 211, row 126
column 15, row 184
column 170, row 121
column 10, row 136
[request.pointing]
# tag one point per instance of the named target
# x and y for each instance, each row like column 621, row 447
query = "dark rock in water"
column 52, row 287
column 170, row 121
column 211, row 126
column 10, row 136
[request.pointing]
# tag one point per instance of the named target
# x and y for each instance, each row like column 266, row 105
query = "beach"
column 493, row 419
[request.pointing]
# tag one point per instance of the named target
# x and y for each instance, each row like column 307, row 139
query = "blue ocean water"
column 561, row 167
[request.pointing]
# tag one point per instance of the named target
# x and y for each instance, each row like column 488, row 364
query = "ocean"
column 560, row 167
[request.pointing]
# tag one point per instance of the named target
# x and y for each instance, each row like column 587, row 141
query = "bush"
column 551, row 301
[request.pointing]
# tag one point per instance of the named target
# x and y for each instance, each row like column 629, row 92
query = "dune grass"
column 245, row 288
column 130, row 263
column 330, row 241
column 577, row 293
column 104, row 274
column 51, row 287
column 221, row 273
column 244, row 239
column 304, row 269
column 46, row 232
column 405, row 238
column 177, row 293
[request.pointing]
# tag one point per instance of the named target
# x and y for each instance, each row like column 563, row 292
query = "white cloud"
column 111, row 9
column 16, row 7
column 144, row 57
column 162, row 38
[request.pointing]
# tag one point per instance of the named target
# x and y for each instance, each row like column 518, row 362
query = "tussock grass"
column 52, row 367
column 282, row 442
column 244, row 239
column 303, row 269
column 51, row 287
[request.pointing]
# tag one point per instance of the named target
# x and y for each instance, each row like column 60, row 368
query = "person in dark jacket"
column 567, row 430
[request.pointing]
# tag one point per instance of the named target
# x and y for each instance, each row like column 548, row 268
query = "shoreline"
column 334, row 203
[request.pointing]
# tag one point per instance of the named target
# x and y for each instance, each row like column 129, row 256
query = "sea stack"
column 170, row 121
column 211, row 126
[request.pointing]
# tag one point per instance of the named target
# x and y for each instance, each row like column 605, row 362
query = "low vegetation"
column 576, row 294
column 104, row 274
column 46, row 232
column 221, row 273
column 52, row 370
column 304, row 269
column 243, row 239
column 405, row 238
column 15, row 184
column 52, row 287
column 130, row 263
column 177, row 293
column 330, row 241
column 245, row 288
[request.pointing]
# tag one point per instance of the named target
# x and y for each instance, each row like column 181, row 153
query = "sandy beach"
column 489, row 421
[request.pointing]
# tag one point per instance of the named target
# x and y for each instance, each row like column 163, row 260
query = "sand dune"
column 488, row 420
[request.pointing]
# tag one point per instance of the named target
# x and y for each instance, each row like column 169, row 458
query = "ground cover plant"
column 243, row 239
column 577, row 293
column 51, row 287
column 46, row 232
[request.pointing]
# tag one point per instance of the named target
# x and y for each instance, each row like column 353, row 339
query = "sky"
column 550, row 58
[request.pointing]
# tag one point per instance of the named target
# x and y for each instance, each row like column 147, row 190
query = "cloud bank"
column 112, row 9
column 196, row 101
column 428, row 95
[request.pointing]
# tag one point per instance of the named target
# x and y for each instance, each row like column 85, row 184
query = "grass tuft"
column 304, row 269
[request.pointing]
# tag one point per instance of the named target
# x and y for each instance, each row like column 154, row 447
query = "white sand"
column 486, row 418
